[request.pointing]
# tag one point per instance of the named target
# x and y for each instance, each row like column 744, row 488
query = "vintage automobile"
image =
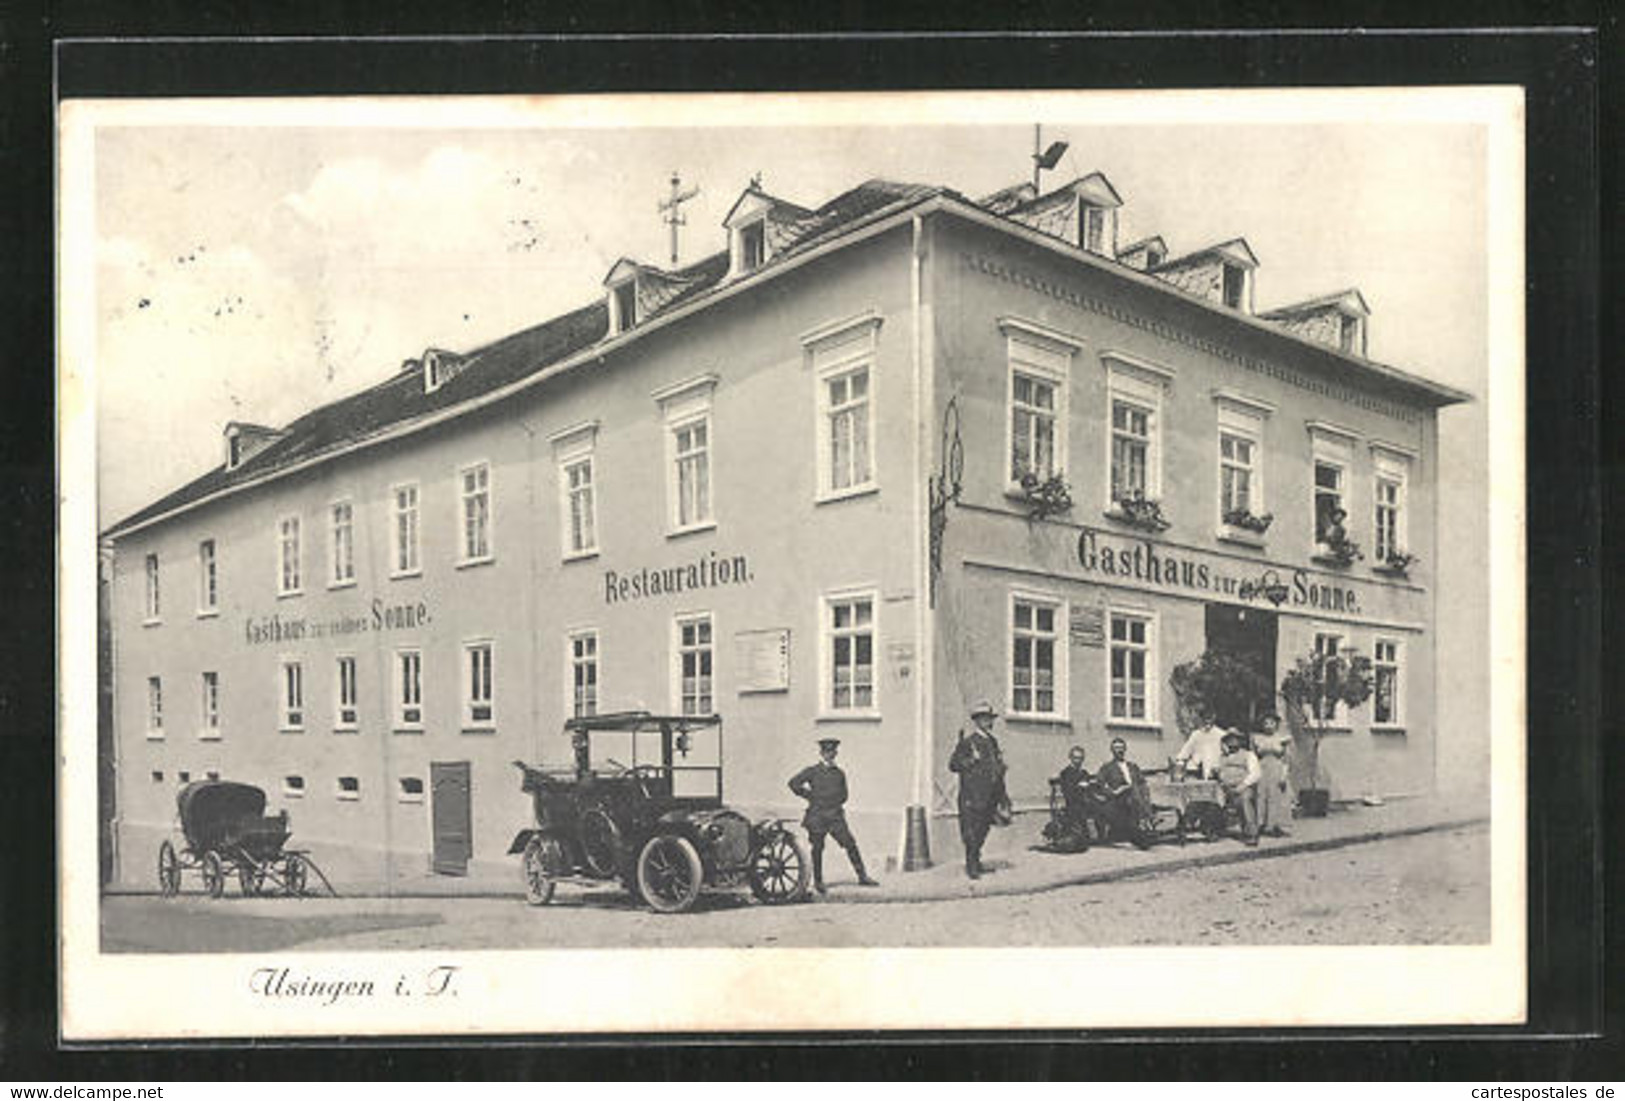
column 656, row 822
column 226, row 832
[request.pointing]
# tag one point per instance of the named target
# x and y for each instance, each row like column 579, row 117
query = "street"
column 1430, row 888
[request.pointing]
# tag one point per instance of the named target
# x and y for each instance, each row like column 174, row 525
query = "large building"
column 871, row 462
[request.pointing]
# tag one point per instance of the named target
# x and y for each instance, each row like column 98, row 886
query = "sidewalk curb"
column 1208, row 860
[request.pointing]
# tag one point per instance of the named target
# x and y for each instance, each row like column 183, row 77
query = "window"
column 1235, row 473
column 347, row 711
column 687, row 409
column 207, row 593
column 155, row 708
column 1094, row 229
column 752, row 245
column 343, row 544
column 1392, row 470
column 348, row 789
column 1134, row 428
column 184, row 776
column 212, row 774
column 1131, row 673
column 211, row 705
column 1329, row 511
column 409, row 688
column 406, row 530
column 411, row 789
column 1326, row 643
column 293, row 696
column 1349, row 335
column 288, row 556
column 1040, row 363
column 850, row 643
column 626, row 305
column 1034, row 674
column 692, row 450
column 694, row 665
column 477, row 705
column 1241, row 467
column 1235, row 286
column 1131, row 450
column 847, row 422
column 293, row 787
column 1385, row 708
column 584, row 674
column 476, row 512
column 580, row 521
column 157, row 775
column 154, row 608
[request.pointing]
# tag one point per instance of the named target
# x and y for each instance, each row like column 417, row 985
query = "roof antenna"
column 673, row 210
column 1048, row 159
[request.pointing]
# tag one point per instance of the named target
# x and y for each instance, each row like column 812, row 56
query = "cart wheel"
column 669, row 873
column 293, row 875
column 600, row 842
column 169, row 871
column 778, row 868
column 214, row 876
column 251, row 879
column 544, row 856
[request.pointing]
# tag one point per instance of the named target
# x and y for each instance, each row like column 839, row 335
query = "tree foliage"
column 1217, row 685
column 1317, row 687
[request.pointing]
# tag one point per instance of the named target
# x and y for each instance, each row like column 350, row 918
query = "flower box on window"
column 1045, row 496
column 1397, row 562
column 1337, row 549
column 1243, row 520
column 1140, row 511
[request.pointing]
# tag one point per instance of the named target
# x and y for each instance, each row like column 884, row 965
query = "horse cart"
column 226, row 832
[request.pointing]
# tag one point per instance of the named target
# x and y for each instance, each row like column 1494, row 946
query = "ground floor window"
column 409, row 688
column 1034, row 650
column 850, row 644
column 211, row 705
column 155, row 708
column 478, row 707
column 349, row 711
column 695, row 658
column 584, row 674
column 1385, row 703
column 293, row 696
column 1327, row 644
column 1131, row 667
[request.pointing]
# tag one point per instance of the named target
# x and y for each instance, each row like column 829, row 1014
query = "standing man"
column 1126, row 802
column 1203, row 749
column 823, row 785
column 1239, row 775
column 981, row 783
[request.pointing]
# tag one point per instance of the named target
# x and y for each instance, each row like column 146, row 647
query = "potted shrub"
column 1397, row 562
column 1141, row 511
column 1045, row 496
column 1313, row 689
column 1243, row 520
column 1221, row 684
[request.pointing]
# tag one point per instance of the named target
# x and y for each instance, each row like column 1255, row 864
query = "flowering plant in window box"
column 1337, row 549
column 1245, row 520
column 1141, row 511
column 1045, row 496
column 1397, row 562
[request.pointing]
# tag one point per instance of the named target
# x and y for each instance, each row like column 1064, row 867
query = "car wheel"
column 600, row 842
column 214, row 876
column 169, row 870
column 779, row 868
column 669, row 873
column 543, row 855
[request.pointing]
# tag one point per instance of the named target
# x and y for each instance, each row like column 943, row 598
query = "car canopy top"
column 641, row 721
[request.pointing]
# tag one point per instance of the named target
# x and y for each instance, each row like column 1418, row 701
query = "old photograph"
column 935, row 546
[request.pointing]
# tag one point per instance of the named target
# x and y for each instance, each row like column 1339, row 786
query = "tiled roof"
column 401, row 398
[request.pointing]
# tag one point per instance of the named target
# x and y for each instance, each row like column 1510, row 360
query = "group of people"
column 1250, row 769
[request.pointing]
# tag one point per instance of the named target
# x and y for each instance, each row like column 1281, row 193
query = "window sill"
column 402, row 575
column 208, row 613
column 580, row 555
column 1388, row 728
column 290, row 730
column 1142, row 725
column 1123, row 519
column 1040, row 718
column 289, row 594
column 470, row 563
column 480, row 730
column 409, row 730
column 346, row 730
column 1330, row 561
column 410, row 800
column 830, row 496
column 208, row 736
column 349, row 584
column 847, row 717
column 155, row 735
column 692, row 529
column 286, row 794
column 346, row 797
column 159, row 622
column 1240, row 536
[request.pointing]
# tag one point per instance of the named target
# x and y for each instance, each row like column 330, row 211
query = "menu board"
column 1088, row 626
column 762, row 660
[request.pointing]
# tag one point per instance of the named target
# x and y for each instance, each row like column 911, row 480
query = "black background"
column 1570, row 103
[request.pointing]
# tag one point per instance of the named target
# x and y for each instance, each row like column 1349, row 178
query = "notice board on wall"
column 1088, row 625
column 762, row 660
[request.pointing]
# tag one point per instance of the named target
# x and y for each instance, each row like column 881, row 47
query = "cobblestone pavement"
column 1427, row 888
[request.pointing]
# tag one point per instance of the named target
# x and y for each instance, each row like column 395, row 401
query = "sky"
column 253, row 272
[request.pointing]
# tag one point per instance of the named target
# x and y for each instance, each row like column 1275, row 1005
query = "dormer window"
column 1235, row 286
column 1351, row 334
column 1154, row 255
column 244, row 441
column 1095, row 228
column 624, row 305
column 752, row 245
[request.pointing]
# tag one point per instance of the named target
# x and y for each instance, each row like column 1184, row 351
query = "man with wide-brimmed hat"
column 823, row 785
column 1239, row 775
column 980, row 765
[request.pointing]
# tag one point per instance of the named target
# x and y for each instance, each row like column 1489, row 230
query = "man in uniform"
column 823, row 785
column 981, row 783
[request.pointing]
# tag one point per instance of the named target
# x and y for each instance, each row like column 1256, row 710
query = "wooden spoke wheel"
column 169, row 871
column 293, row 875
column 214, row 874
column 669, row 873
column 600, row 842
column 779, row 868
column 543, row 863
column 251, row 878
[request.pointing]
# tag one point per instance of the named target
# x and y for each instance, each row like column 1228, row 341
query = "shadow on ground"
column 155, row 925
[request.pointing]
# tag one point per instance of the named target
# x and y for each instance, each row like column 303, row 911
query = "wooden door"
column 452, row 810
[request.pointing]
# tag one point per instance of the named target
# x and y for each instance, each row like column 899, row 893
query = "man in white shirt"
column 1202, row 750
column 1239, row 775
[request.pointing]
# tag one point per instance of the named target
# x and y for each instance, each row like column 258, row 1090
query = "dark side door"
column 452, row 809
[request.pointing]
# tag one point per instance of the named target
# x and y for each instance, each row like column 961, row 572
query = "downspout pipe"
column 916, row 851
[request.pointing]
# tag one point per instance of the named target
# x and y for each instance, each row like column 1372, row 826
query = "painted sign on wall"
column 709, row 571
column 378, row 617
